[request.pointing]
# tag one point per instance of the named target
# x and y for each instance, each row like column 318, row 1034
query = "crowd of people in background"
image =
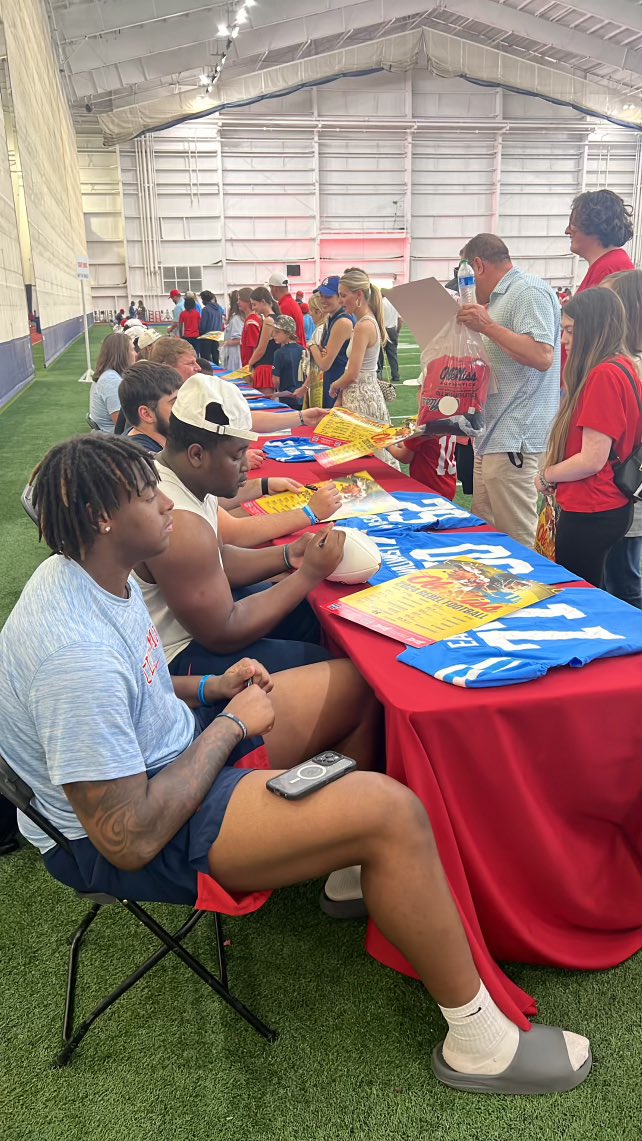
column 564, row 403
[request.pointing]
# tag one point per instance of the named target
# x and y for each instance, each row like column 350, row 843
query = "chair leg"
column 72, row 1040
column 72, row 970
column 220, row 948
column 194, row 965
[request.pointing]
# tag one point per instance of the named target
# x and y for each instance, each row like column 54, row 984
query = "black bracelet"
column 286, row 558
column 265, row 486
column 236, row 720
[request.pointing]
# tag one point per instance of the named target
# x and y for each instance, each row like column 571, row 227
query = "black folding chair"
column 92, row 424
column 18, row 793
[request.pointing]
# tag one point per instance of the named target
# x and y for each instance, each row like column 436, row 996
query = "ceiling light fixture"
column 208, row 81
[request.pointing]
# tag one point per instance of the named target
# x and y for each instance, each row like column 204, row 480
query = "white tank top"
column 175, row 637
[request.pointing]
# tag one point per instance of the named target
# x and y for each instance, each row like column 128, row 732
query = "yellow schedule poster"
column 360, row 436
column 360, row 495
column 214, row 336
column 441, row 602
column 240, row 374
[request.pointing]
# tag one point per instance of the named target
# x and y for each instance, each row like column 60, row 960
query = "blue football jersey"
column 293, row 450
column 404, row 551
column 418, row 513
column 575, row 627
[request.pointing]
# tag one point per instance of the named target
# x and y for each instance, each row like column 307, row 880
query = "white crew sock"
column 344, row 884
column 482, row 1040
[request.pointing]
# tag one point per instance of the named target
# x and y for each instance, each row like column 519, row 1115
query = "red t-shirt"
column 289, row 308
column 613, row 261
column 189, row 323
column 607, row 405
column 250, row 336
column 433, row 463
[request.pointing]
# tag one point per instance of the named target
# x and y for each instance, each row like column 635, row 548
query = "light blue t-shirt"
column 104, row 399
column 85, row 693
column 519, row 415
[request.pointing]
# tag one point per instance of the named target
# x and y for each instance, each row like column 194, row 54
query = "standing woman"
column 358, row 388
column 251, row 325
column 266, row 308
column 117, row 354
column 233, row 334
column 189, row 324
column 330, row 354
column 598, row 416
column 622, row 571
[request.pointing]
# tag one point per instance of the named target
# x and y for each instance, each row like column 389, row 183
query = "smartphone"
column 311, row 775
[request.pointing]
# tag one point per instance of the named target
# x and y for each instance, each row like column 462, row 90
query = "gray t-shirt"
column 85, row 693
column 104, row 399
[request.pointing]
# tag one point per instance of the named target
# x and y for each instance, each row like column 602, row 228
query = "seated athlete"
column 179, row 354
column 146, row 790
column 207, row 597
column 148, row 393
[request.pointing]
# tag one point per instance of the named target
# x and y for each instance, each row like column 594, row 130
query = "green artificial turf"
column 171, row 1063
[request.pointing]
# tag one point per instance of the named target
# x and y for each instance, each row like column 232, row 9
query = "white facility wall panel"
column 102, row 198
column 541, row 173
column 453, row 196
column 13, row 311
column 269, row 201
column 452, row 99
column 362, row 180
column 380, row 96
column 47, row 146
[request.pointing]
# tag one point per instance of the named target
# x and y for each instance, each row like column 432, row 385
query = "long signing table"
column 534, row 792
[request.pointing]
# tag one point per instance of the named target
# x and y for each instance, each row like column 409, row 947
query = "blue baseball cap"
column 329, row 287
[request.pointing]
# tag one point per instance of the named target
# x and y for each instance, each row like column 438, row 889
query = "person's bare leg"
column 370, row 820
column 326, row 705
column 366, row 819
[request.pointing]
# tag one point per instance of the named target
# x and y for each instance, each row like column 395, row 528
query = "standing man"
column 393, row 324
column 520, row 318
column 280, row 290
column 178, row 301
column 212, row 321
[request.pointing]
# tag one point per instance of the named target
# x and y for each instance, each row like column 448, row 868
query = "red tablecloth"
column 534, row 793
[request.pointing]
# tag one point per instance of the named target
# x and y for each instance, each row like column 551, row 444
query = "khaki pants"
column 505, row 495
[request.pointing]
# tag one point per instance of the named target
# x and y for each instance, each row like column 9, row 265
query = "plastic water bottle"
column 466, row 284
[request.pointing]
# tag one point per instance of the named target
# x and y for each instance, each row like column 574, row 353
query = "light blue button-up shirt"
column 519, row 415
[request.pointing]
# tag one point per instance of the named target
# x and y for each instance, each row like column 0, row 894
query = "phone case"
column 313, row 774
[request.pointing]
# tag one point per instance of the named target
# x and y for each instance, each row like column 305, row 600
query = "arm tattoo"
column 130, row 819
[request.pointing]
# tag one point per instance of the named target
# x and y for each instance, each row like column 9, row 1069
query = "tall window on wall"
column 187, row 278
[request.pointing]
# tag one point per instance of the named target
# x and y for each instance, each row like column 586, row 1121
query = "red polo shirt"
column 290, row 308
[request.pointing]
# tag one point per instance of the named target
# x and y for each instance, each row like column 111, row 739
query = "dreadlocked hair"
column 81, row 480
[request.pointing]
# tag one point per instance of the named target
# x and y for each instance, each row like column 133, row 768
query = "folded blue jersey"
column 267, row 405
column 418, row 513
column 575, row 627
column 404, row 551
column 293, row 450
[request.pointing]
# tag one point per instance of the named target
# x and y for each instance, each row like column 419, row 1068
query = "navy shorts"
column 172, row 876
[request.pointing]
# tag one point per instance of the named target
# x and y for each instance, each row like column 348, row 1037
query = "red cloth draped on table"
column 534, row 793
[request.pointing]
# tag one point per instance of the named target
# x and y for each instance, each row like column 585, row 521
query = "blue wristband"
column 201, row 690
column 310, row 514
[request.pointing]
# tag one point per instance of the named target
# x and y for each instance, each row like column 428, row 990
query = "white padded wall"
column 47, row 146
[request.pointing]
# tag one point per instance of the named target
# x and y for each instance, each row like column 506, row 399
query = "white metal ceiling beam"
column 546, row 32
column 623, row 12
column 80, row 21
column 114, row 48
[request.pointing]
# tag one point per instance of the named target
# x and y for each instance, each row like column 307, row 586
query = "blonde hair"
column 357, row 280
column 168, row 350
column 599, row 329
column 315, row 306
